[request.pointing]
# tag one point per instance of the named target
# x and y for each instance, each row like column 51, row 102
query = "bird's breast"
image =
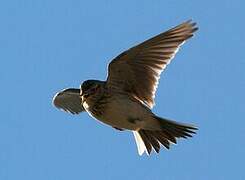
column 124, row 112
column 118, row 110
column 95, row 105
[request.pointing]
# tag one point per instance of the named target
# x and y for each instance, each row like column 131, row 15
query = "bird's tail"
column 170, row 130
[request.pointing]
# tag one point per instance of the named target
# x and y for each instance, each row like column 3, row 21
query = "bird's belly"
column 124, row 113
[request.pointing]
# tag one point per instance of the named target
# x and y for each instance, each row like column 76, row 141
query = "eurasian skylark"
column 124, row 101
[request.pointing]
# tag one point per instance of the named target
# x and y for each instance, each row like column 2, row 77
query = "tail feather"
column 161, row 139
column 146, row 142
column 175, row 128
column 170, row 130
column 151, row 140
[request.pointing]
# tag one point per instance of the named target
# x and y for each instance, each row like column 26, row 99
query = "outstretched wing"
column 69, row 101
column 137, row 70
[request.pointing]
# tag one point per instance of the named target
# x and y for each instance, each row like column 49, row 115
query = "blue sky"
column 50, row 45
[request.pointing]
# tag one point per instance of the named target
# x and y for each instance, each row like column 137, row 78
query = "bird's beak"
column 81, row 96
column 82, row 99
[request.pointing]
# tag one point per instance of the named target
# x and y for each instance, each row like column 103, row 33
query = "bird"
column 124, row 101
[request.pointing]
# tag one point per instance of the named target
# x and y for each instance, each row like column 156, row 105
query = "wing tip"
column 192, row 24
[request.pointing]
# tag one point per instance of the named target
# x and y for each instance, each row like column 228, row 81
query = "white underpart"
column 139, row 142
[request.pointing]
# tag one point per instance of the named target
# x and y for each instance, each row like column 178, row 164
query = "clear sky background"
column 49, row 45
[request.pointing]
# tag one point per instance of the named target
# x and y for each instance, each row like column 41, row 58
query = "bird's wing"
column 69, row 101
column 138, row 69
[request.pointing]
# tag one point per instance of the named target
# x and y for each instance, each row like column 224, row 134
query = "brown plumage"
column 124, row 101
column 138, row 69
column 170, row 131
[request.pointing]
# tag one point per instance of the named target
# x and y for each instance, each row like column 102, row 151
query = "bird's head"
column 90, row 87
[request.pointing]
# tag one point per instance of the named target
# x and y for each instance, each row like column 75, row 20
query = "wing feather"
column 69, row 100
column 137, row 70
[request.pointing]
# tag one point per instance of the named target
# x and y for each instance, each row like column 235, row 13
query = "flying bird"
column 124, row 101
